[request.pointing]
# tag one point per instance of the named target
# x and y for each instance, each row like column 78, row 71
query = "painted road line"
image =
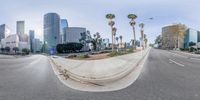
column 176, row 63
column 178, row 55
column 194, row 58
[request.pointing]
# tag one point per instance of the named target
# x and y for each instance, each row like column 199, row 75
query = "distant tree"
column 191, row 44
column 69, row 47
column 2, row 49
column 132, row 23
column 111, row 23
column 158, row 39
column 7, row 49
column 15, row 49
column 60, row 48
column 26, row 51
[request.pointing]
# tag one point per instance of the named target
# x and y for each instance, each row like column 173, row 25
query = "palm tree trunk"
column 112, row 40
column 134, row 46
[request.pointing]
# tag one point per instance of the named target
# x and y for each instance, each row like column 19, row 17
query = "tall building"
column 20, row 27
column 31, row 37
column 173, row 36
column 51, row 31
column 74, row 34
column 63, row 24
column 198, row 36
column 36, row 45
column 20, row 30
column 191, row 35
column 77, row 35
column 4, row 31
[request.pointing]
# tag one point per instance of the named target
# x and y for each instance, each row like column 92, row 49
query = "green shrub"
column 26, row 51
column 114, row 53
column 130, row 50
column 192, row 49
column 186, row 49
column 69, row 47
column 182, row 49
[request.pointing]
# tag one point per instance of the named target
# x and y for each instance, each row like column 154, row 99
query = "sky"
column 91, row 14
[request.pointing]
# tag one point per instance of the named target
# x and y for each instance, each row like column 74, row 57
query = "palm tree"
column 145, row 40
column 117, row 38
column 120, row 37
column 132, row 22
column 141, row 25
column 111, row 23
column 114, row 34
column 94, row 35
column 114, row 30
column 98, row 39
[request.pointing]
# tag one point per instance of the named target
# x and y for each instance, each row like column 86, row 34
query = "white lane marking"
column 195, row 58
column 176, row 63
column 178, row 55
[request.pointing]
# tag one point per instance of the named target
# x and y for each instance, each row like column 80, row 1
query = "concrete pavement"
column 32, row 78
column 99, row 71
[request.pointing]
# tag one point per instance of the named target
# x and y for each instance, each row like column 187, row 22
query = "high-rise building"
column 20, row 30
column 173, row 36
column 198, row 36
column 36, row 45
column 63, row 24
column 77, row 35
column 4, row 31
column 20, row 27
column 51, row 31
column 31, row 37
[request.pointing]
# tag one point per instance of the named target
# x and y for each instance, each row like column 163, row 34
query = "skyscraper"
column 20, row 27
column 51, row 31
column 21, row 31
column 4, row 31
column 31, row 37
column 63, row 24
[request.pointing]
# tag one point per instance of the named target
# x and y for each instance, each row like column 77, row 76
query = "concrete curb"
column 105, row 79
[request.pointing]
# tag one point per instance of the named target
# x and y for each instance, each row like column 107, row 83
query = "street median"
column 98, row 71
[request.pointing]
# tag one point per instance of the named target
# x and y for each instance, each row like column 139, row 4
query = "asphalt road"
column 165, row 76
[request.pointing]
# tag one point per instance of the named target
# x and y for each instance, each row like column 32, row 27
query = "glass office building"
column 63, row 24
column 31, row 37
column 51, row 31
column 4, row 31
column 198, row 36
column 191, row 35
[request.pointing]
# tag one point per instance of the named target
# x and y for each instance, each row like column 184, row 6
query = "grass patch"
column 115, row 53
column 82, row 56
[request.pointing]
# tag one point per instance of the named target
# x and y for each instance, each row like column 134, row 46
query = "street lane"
column 32, row 78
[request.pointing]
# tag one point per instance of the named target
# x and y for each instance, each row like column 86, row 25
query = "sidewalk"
column 99, row 71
